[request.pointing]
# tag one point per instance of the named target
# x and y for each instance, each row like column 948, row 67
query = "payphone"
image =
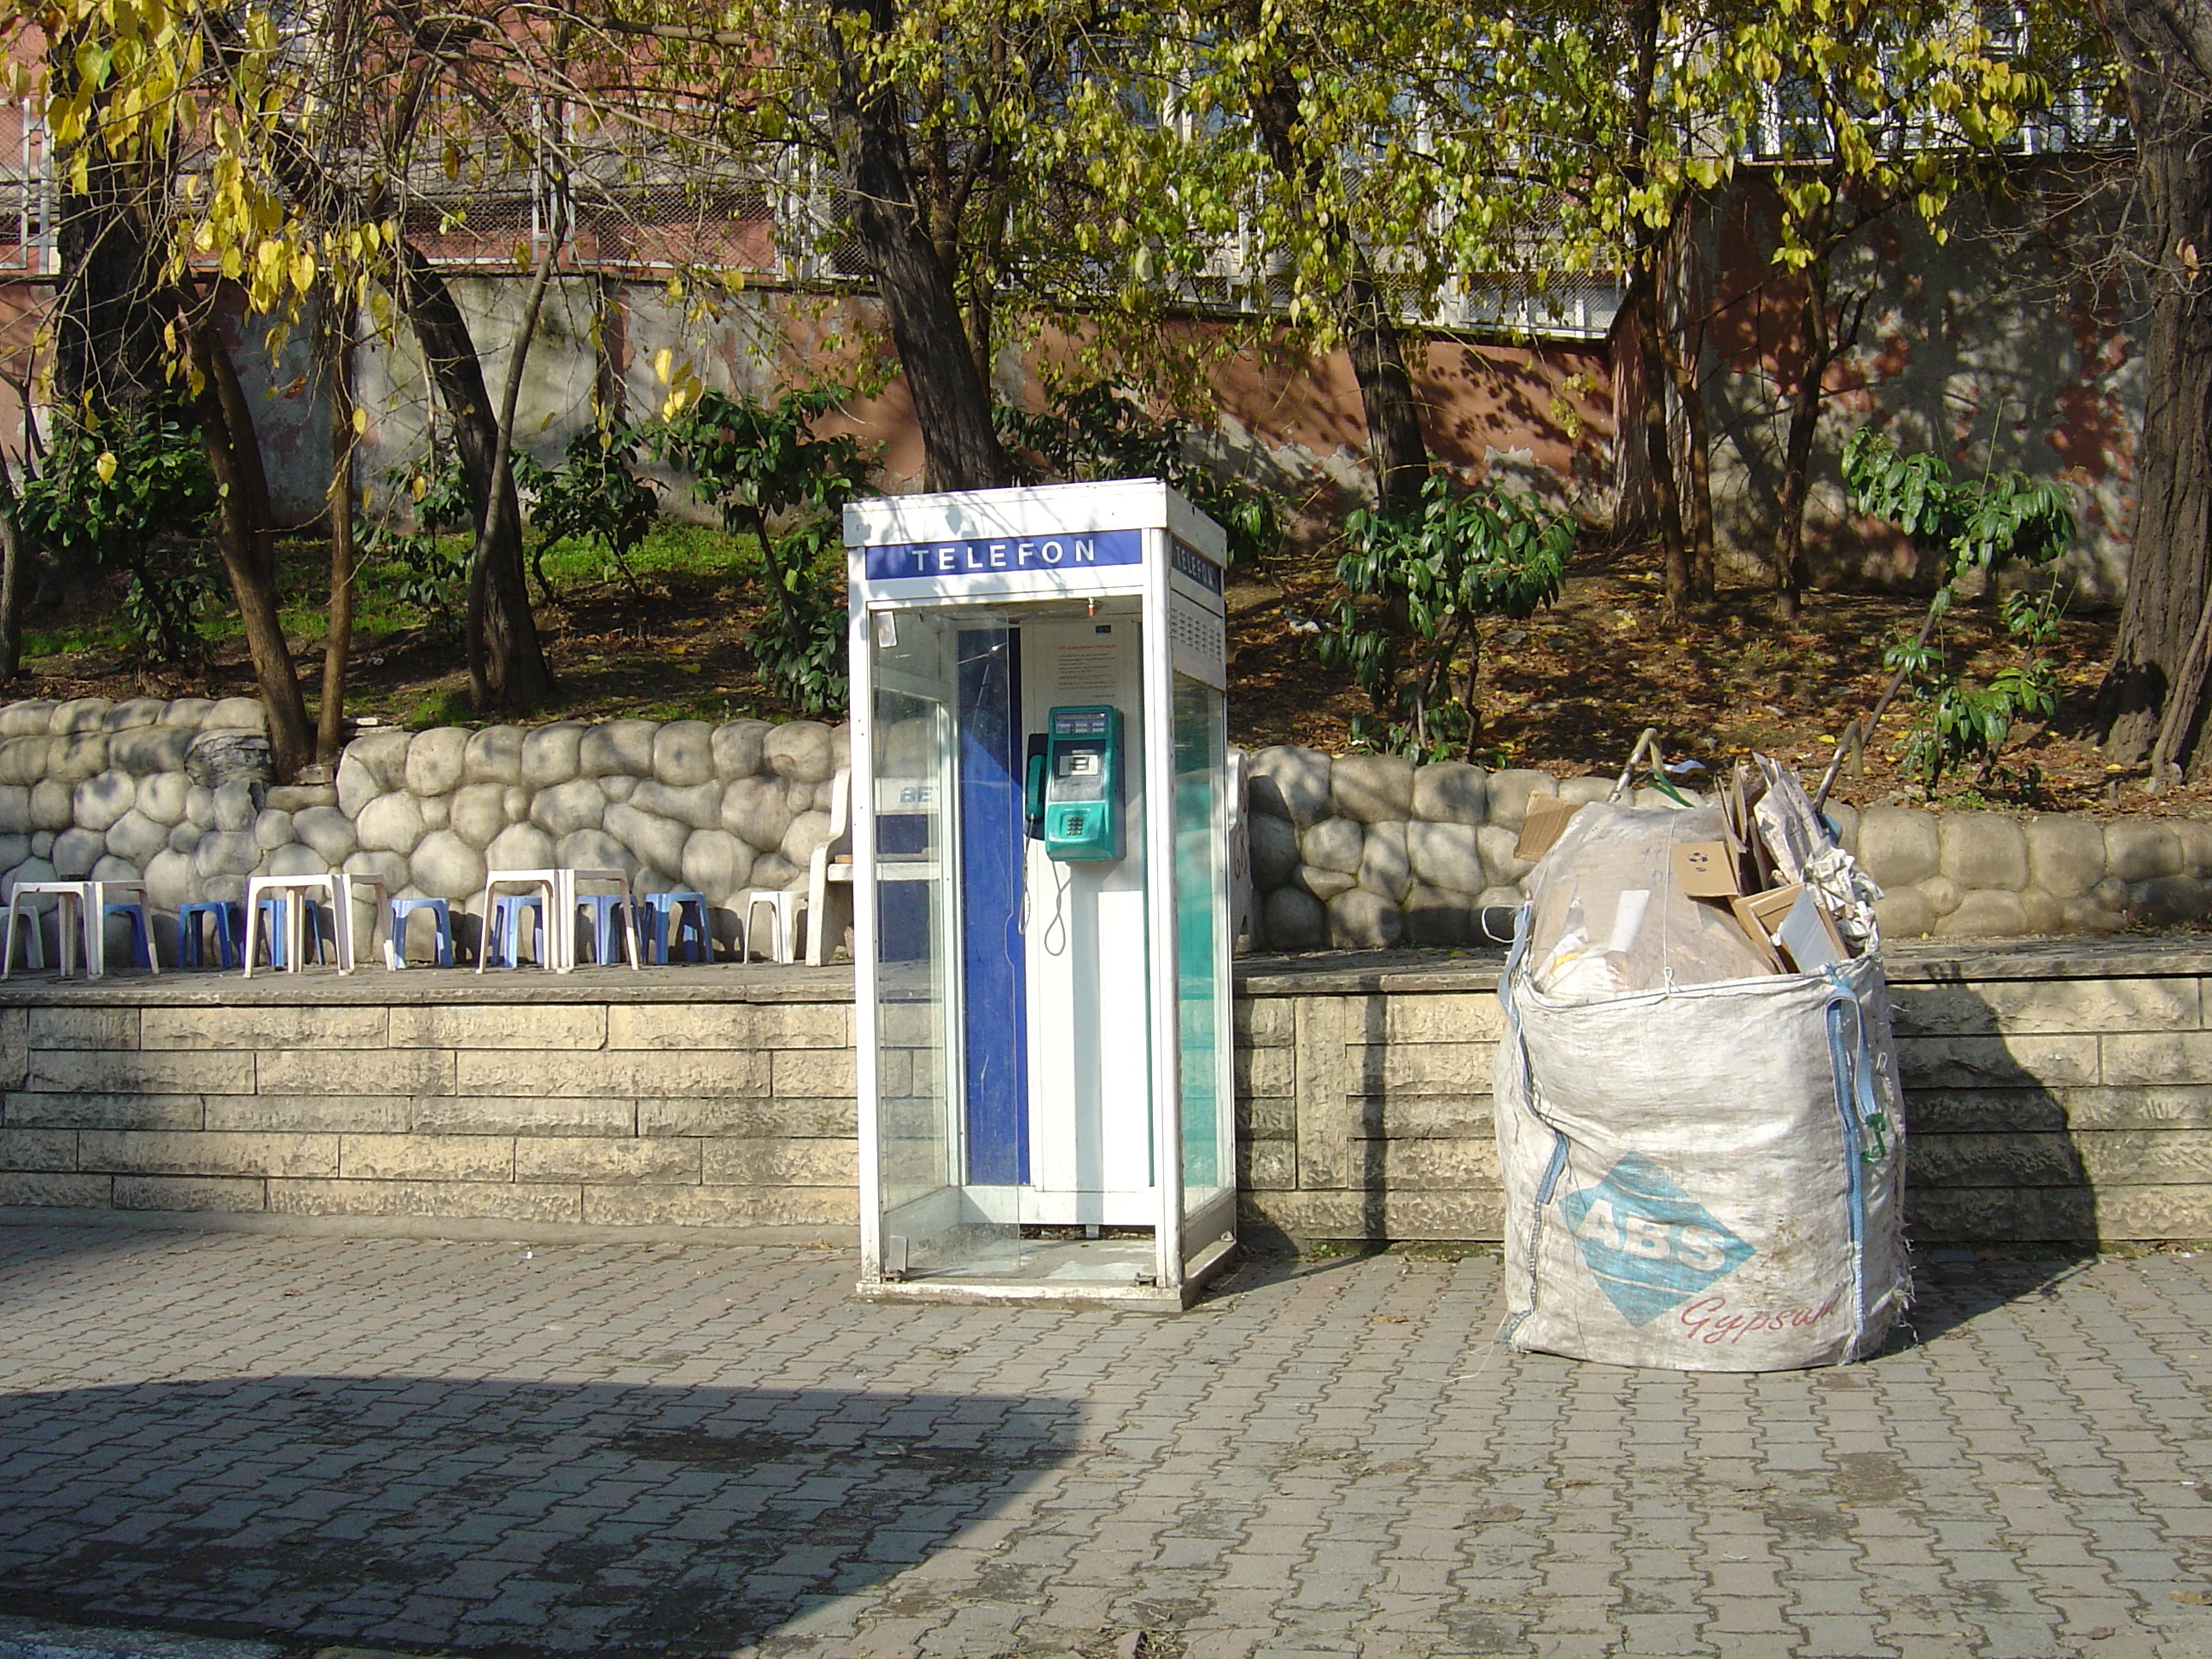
column 1042, row 914
column 1075, row 785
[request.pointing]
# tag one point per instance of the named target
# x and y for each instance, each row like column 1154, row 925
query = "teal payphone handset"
column 1074, row 785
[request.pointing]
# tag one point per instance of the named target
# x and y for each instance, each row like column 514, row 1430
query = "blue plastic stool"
column 503, row 932
column 605, row 910
column 228, row 923
column 442, row 918
column 273, row 919
column 687, row 912
column 142, row 937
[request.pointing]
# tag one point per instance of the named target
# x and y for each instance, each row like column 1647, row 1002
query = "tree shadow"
column 2000, row 1204
column 490, row 1516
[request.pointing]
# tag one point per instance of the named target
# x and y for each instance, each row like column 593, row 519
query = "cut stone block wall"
column 514, row 1106
column 2055, row 1092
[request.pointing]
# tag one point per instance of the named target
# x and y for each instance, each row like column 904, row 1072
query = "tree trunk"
column 108, row 307
column 1680, row 350
column 505, row 521
column 14, row 570
column 507, row 663
column 2166, row 47
column 1793, row 576
column 1658, row 445
column 920, row 296
column 242, row 534
column 337, row 643
column 1396, row 450
column 1703, row 554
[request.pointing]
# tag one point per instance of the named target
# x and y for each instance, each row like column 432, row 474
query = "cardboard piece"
column 1545, row 823
column 1706, row 869
column 1789, row 921
column 1807, row 937
column 1756, row 933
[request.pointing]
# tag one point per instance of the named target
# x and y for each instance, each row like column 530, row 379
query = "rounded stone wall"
column 1352, row 851
column 177, row 794
column 1368, row 851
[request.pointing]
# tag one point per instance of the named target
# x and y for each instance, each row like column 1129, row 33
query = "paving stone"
column 618, row 1449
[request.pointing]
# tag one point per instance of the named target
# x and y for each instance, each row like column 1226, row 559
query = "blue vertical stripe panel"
column 993, row 1004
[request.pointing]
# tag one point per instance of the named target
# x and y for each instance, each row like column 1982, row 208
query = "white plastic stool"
column 71, row 900
column 784, row 906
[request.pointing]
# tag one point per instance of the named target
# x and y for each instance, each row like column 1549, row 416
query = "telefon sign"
column 903, row 561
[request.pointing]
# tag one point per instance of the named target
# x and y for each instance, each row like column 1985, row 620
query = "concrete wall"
column 2004, row 344
column 2050, row 1094
column 2053, row 1093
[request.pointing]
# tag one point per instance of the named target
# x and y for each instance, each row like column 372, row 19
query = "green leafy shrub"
column 596, row 497
column 132, row 492
column 425, row 504
column 1990, row 525
column 1415, row 586
column 1099, row 432
column 764, row 469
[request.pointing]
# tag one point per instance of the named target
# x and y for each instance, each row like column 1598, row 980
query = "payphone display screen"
column 1081, row 775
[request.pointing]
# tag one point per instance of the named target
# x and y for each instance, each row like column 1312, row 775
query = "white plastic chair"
column 830, row 871
column 1240, row 848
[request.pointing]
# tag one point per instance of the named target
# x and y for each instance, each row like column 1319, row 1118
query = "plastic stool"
column 503, row 932
column 228, row 923
column 784, row 906
column 34, row 949
column 141, row 936
column 687, row 913
column 273, row 919
column 442, row 918
column 605, row 910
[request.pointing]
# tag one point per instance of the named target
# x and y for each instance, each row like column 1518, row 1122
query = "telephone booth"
column 1042, row 909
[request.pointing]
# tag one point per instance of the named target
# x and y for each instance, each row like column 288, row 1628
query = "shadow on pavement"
column 491, row 1517
column 1954, row 1287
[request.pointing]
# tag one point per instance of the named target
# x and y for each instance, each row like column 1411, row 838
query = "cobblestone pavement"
column 620, row 1449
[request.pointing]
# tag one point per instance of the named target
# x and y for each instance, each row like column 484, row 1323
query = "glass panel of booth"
column 1202, row 988
column 927, row 1218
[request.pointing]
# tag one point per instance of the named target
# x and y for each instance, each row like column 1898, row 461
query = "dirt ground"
column 1567, row 691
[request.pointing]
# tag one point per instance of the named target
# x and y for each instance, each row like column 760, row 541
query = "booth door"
column 1203, row 1008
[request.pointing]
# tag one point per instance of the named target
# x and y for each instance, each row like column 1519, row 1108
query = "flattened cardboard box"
column 1545, row 823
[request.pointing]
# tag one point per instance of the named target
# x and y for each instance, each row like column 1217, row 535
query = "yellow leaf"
column 303, row 270
column 360, row 420
column 664, row 363
column 104, row 467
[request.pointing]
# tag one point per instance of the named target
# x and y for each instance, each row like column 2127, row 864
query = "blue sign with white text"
column 1648, row 1244
column 1061, row 550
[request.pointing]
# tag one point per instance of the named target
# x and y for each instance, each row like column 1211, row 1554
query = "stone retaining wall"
column 1365, row 852
column 2055, row 1093
column 124, row 791
column 1357, row 852
column 729, row 1106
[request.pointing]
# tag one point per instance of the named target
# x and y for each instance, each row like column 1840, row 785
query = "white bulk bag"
column 1702, row 1176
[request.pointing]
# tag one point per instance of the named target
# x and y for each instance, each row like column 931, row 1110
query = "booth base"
column 1098, row 1273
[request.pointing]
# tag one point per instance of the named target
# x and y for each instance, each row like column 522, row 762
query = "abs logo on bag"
column 1650, row 1245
